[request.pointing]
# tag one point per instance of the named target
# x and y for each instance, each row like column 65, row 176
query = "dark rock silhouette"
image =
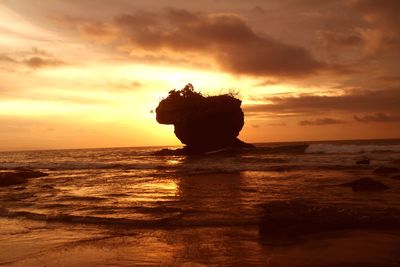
column 363, row 161
column 396, row 177
column 20, row 176
column 294, row 218
column 366, row 184
column 386, row 170
column 202, row 123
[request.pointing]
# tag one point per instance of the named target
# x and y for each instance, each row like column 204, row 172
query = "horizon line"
column 182, row 145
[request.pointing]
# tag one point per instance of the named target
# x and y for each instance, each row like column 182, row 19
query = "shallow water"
column 163, row 205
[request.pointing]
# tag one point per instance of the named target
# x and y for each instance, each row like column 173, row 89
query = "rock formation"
column 366, row 184
column 19, row 176
column 386, row 170
column 203, row 123
column 295, row 218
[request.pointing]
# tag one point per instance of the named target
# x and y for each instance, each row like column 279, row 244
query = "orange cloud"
column 356, row 101
column 225, row 38
column 378, row 117
column 40, row 62
column 328, row 39
column 34, row 59
column 320, row 122
column 384, row 21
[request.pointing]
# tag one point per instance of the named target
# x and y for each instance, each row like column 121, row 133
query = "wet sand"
column 195, row 246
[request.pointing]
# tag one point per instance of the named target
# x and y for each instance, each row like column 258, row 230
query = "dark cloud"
column 277, row 124
column 320, row 122
column 385, row 12
column 34, row 59
column 39, row 52
column 356, row 101
column 98, row 31
column 7, row 59
column 378, row 117
column 390, row 78
column 339, row 39
column 384, row 21
column 40, row 62
column 225, row 38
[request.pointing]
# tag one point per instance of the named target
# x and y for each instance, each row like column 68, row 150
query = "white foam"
column 350, row 149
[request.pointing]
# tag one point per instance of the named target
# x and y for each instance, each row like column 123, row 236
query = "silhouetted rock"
column 291, row 219
column 11, row 178
column 203, row 123
column 386, row 170
column 363, row 161
column 366, row 184
column 396, row 177
column 18, row 177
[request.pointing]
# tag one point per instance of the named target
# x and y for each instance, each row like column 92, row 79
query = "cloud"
column 390, row 78
column 7, row 59
column 277, row 124
column 225, row 38
column 339, row 39
column 258, row 11
column 100, row 32
column 383, row 19
column 383, row 13
column 34, row 59
column 40, row 62
column 320, row 122
column 268, row 82
column 125, row 86
column 355, row 101
column 378, row 117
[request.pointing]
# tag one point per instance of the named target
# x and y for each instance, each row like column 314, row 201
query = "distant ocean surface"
column 102, row 191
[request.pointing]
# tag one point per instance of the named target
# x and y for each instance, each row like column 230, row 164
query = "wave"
column 261, row 158
column 198, row 168
column 168, row 221
column 280, row 218
column 59, row 166
column 293, row 148
column 350, row 149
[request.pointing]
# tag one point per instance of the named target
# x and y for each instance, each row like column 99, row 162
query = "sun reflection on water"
column 154, row 191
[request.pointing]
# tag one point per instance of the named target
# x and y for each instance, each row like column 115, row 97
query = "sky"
column 83, row 74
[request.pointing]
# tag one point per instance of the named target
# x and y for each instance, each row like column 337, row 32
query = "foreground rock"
column 291, row 219
column 396, row 177
column 18, row 177
column 366, row 184
column 386, row 170
column 363, row 161
column 203, row 124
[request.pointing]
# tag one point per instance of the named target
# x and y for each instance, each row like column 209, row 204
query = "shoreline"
column 197, row 246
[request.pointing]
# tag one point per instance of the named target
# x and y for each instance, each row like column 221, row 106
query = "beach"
column 127, row 207
column 199, row 246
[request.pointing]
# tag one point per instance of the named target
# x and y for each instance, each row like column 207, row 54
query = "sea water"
column 126, row 206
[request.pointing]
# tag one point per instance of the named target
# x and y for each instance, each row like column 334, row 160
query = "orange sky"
column 78, row 73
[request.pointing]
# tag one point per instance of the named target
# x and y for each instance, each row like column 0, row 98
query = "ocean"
column 128, row 207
